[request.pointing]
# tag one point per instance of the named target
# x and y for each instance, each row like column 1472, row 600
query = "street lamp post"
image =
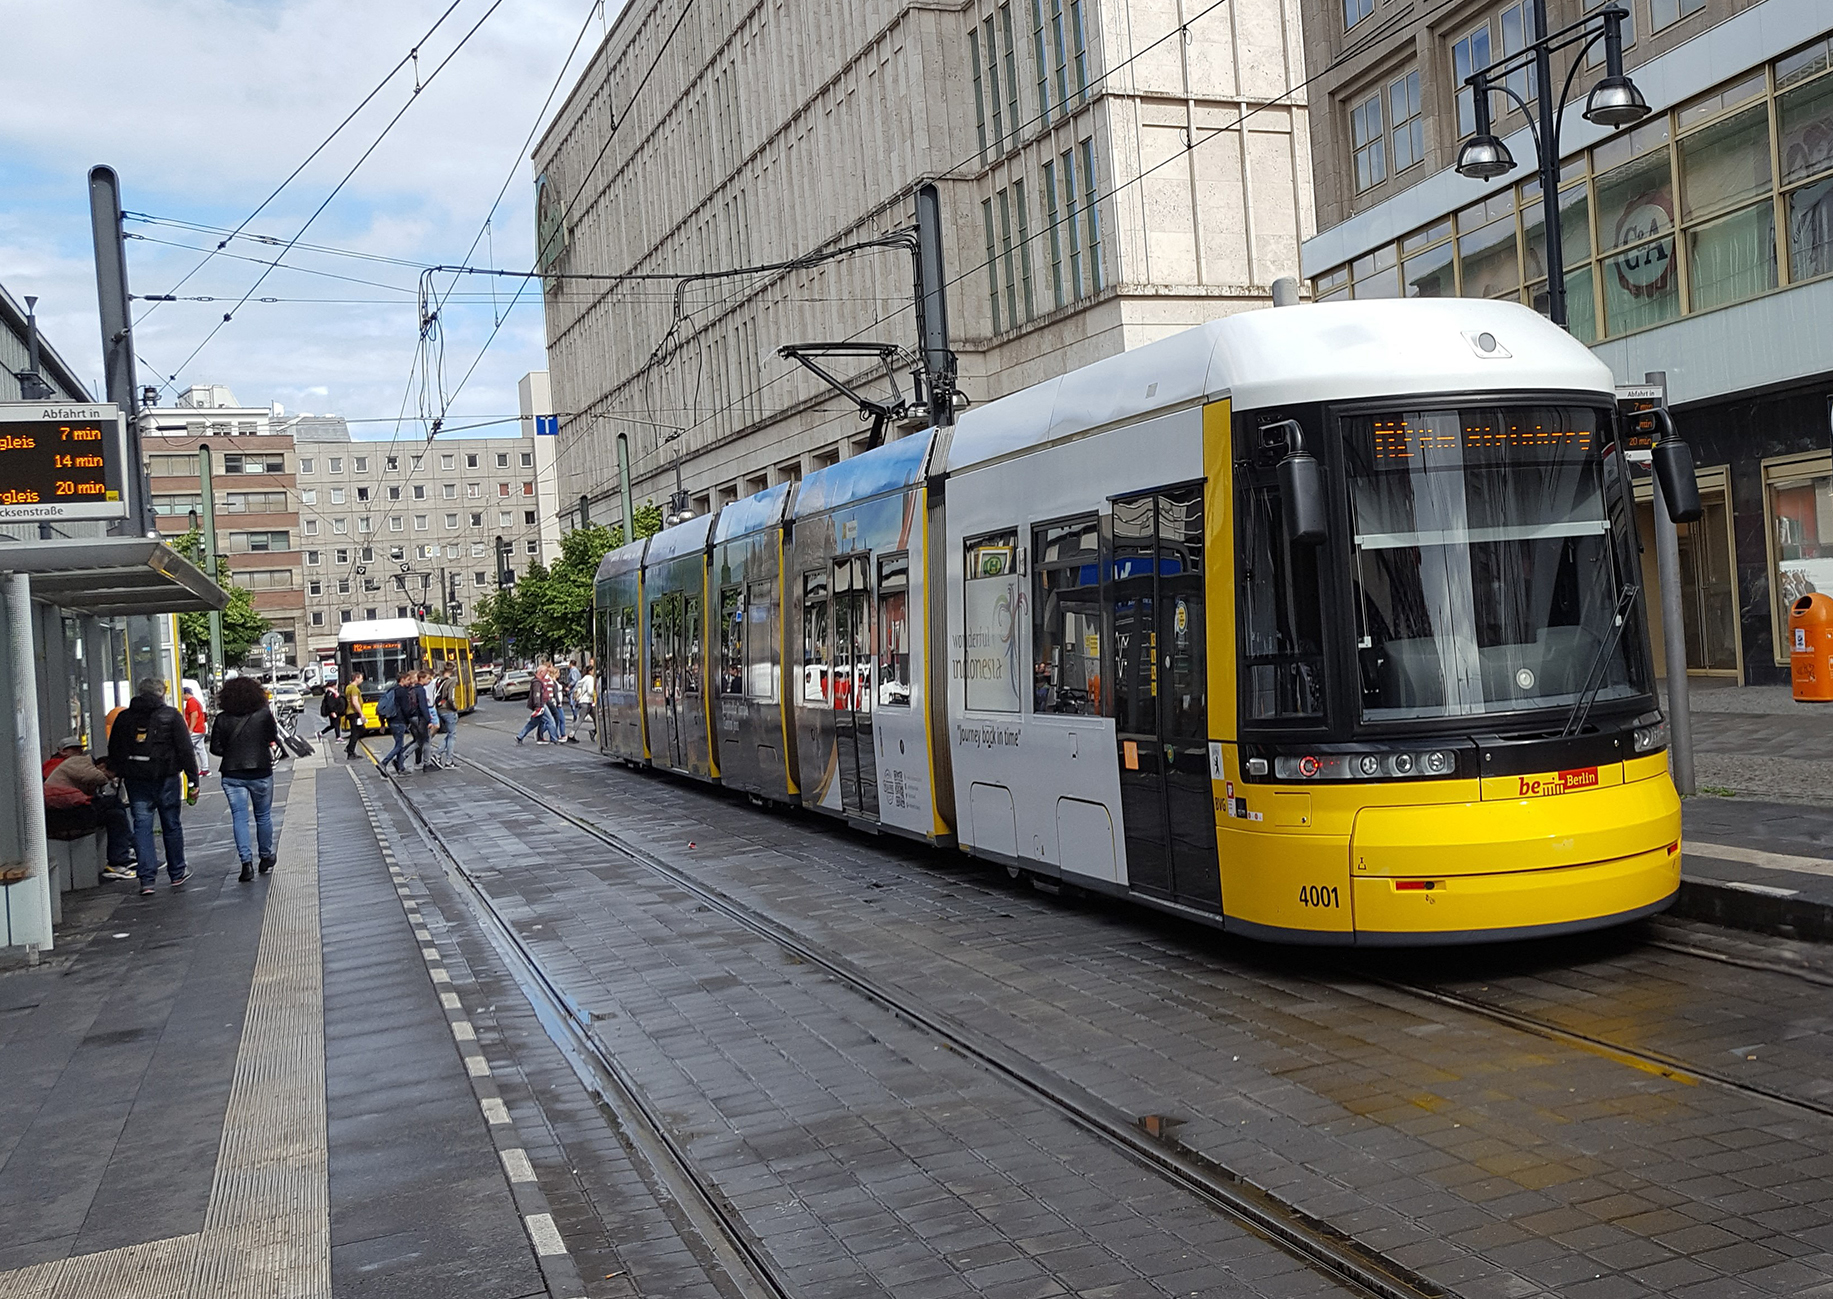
column 1614, row 101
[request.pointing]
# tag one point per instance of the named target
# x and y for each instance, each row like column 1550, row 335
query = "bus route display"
column 61, row 460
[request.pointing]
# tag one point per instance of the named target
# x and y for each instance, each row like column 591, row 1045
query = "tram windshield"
column 378, row 661
column 1486, row 570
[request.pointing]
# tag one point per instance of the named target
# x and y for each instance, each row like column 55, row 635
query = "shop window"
column 893, row 670
column 1376, row 275
column 1801, row 516
column 1635, row 223
column 1066, row 617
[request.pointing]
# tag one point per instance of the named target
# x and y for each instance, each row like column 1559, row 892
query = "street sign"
column 62, row 460
column 547, row 426
column 272, row 640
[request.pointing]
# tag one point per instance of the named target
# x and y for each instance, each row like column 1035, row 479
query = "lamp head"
column 1484, row 157
column 1615, row 102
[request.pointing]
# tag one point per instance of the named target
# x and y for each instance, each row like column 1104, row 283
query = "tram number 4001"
column 1317, row 895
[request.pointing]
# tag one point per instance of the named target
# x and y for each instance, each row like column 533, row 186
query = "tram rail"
column 1306, row 1237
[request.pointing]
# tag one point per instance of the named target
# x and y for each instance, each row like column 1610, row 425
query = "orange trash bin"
column 1810, row 659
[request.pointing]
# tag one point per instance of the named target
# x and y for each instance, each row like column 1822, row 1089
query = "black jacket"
column 245, row 743
column 149, row 741
column 410, row 707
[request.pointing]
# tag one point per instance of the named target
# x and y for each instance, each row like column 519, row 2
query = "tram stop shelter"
column 82, row 622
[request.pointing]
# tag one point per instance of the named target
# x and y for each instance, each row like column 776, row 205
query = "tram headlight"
column 1389, row 765
column 1652, row 738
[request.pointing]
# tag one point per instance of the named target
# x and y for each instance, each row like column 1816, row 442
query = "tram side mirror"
column 1301, row 487
column 1672, row 461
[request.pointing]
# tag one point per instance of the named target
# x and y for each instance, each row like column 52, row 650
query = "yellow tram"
column 382, row 648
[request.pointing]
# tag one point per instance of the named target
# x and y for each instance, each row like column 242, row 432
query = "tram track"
column 1312, row 1240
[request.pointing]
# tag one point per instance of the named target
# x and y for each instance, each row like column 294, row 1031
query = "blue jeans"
column 537, row 719
column 244, row 793
column 556, row 720
column 400, row 732
column 448, row 733
column 146, row 797
column 120, row 828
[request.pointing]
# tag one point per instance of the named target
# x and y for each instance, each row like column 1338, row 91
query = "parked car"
column 484, row 677
column 287, row 697
column 512, row 685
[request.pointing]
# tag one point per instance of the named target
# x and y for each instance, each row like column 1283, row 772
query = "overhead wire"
column 419, row 86
column 411, row 56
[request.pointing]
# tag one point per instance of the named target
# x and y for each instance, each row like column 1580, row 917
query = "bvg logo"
column 1562, row 783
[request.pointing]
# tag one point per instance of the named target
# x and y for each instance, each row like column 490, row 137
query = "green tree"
column 243, row 625
column 549, row 611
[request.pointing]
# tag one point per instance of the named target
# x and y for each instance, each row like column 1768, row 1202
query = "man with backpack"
column 149, row 747
column 403, row 707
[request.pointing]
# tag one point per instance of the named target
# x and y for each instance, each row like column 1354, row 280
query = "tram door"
column 853, row 685
column 1160, row 699
column 667, row 668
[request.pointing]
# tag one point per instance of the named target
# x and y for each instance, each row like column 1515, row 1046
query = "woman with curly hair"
column 244, row 738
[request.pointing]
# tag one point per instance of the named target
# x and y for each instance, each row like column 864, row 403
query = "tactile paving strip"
column 267, row 1231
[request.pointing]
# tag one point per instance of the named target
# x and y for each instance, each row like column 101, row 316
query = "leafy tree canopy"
column 549, row 611
column 243, row 625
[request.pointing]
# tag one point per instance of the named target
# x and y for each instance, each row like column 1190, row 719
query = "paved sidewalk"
column 205, row 1096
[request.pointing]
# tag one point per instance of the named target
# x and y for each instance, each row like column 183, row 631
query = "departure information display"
column 61, row 461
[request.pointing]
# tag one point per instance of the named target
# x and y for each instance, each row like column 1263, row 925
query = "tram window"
column 894, row 630
column 691, row 668
column 815, row 672
column 990, row 648
column 760, row 645
column 627, row 648
column 379, row 661
column 1066, row 617
column 658, row 643
column 732, row 641
column 1282, row 614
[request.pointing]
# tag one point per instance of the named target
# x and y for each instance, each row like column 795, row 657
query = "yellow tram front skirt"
column 1516, row 867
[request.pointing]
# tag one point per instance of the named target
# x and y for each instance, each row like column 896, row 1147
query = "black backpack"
column 147, row 750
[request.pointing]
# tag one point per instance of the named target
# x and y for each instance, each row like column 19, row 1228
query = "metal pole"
column 207, row 511
column 29, row 914
column 623, row 487
column 1674, row 643
column 1549, row 169
column 118, row 334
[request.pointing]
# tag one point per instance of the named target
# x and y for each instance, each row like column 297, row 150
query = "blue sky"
column 204, row 106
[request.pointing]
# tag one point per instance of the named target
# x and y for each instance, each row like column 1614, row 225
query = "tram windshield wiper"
column 1600, row 665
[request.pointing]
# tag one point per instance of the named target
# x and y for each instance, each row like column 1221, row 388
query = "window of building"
column 392, row 463
column 245, row 542
column 480, row 579
column 1799, row 498
column 337, row 496
column 318, row 617
column 396, row 523
column 528, row 518
column 980, row 100
column 1071, row 210
column 505, row 519
column 528, row 489
column 419, row 491
column 340, row 525
column 1354, row 11
column 451, row 522
column 1078, row 32
column 1091, row 214
column 266, row 579
column 343, row 586
column 308, row 496
column 1052, row 221
column 365, row 524
column 1059, row 49
column 448, row 491
column 367, row 554
column 314, row 587
column 448, row 462
column 337, row 464
column 528, row 460
column 416, row 462
column 1024, row 247
column 502, row 460
column 397, row 553
column 394, row 493
column 1366, row 138
column 1467, row 56
column 452, row 552
column 477, row 518
column 1040, row 60
column 1517, row 33
column 177, row 502
column 360, row 464
column 502, row 489
column 473, row 491
column 1407, row 128
column 370, row 613
column 1664, row 13
column 340, row 556
column 248, row 463
column 362, row 493
column 990, row 46
column 305, row 464
column 310, row 526
column 254, row 503
column 532, row 547
column 420, row 522
column 1007, row 262
column 426, row 552
column 470, row 460
column 1011, row 68
column 1066, row 617
column 992, row 263
column 477, row 549
column 311, row 559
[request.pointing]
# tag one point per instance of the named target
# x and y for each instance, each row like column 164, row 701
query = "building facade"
column 1109, row 171
column 1698, row 247
column 388, row 528
column 253, row 476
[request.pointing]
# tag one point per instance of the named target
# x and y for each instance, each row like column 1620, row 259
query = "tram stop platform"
column 267, row 1089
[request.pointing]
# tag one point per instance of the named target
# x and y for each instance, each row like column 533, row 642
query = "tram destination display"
column 61, row 461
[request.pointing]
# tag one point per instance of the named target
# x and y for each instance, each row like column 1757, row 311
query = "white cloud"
column 203, row 106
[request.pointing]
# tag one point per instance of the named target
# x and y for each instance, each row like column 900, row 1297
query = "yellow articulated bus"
column 1321, row 624
column 382, row 648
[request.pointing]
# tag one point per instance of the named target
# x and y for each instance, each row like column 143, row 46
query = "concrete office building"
column 388, row 527
column 1078, row 222
column 1698, row 243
